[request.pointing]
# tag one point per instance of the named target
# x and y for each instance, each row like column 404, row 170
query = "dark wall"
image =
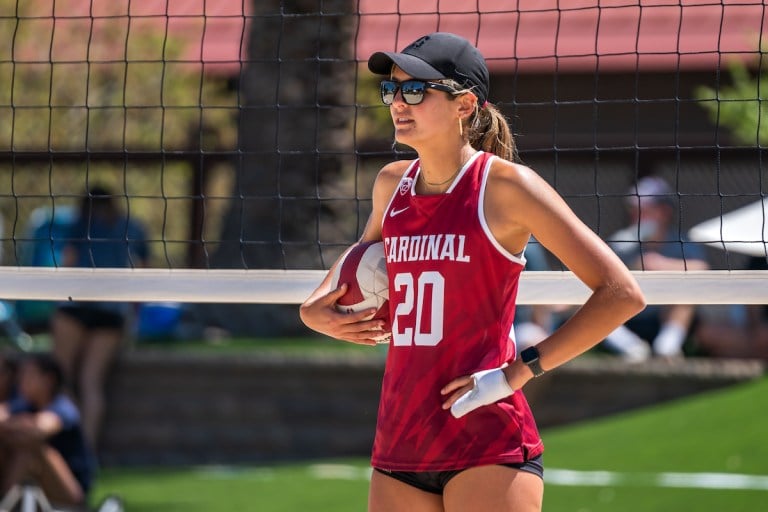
column 167, row 409
column 607, row 112
column 591, row 136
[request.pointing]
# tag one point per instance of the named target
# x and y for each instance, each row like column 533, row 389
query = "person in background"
column 742, row 338
column 454, row 430
column 41, row 437
column 87, row 336
column 9, row 324
column 535, row 322
column 653, row 241
column 8, row 378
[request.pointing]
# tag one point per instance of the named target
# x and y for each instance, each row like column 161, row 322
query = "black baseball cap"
column 436, row 56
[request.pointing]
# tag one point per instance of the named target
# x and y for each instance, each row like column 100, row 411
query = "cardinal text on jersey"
column 436, row 247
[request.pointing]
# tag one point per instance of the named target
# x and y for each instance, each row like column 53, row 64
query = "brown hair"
column 49, row 366
column 488, row 129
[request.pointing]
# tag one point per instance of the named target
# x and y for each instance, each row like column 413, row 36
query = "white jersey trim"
column 484, row 222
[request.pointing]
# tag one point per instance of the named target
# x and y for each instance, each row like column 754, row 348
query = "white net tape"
column 293, row 286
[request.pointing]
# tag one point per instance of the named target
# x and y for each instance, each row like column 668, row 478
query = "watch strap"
column 530, row 357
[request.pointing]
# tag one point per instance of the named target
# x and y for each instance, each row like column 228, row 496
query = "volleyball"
column 363, row 268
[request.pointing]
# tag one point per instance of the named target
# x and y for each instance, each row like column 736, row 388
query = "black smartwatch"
column 530, row 357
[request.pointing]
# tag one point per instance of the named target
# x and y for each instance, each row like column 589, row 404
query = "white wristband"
column 490, row 386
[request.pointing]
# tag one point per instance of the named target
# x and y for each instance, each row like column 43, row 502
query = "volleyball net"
column 244, row 137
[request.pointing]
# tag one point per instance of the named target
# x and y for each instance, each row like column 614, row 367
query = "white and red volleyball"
column 363, row 268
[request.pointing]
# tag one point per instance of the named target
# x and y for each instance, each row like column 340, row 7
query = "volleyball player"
column 454, row 431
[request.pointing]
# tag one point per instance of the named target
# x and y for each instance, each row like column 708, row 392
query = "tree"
column 81, row 95
column 295, row 139
column 742, row 105
column 295, row 127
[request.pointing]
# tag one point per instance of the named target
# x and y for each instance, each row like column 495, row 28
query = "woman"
column 41, row 437
column 87, row 336
column 8, row 381
column 453, row 431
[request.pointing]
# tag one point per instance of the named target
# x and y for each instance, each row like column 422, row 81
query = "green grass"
column 291, row 345
column 287, row 345
column 281, row 488
column 723, row 431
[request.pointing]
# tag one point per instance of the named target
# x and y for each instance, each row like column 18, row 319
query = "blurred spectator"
column 8, row 322
column 745, row 337
column 653, row 241
column 533, row 323
column 40, row 246
column 41, row 439
column 87, row 336
column 8, row 380
column 10, row 328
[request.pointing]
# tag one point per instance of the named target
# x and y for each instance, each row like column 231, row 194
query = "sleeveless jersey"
column 452, row 292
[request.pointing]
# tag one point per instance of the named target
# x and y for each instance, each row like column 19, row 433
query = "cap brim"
column 381, row 63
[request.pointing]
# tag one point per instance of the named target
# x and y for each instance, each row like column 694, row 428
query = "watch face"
column 529, row 354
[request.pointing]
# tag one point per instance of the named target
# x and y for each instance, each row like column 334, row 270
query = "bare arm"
column 30, row 428
column 318, row 311
column 518, row 204
column 616, row 295
column 657, row 261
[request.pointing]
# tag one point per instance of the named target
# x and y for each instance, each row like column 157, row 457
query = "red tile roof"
column 537, row 36
column 212, row 31
column 524, row 35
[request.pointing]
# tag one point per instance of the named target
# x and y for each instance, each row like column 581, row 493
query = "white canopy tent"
column 744, row 230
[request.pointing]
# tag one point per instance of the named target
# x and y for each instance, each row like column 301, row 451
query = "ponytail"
column 490, row 132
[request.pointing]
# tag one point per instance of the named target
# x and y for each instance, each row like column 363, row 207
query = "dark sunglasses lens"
column 413, row 91
column 388, row 91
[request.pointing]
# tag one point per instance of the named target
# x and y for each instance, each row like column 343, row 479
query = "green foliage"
column 741, row 106
column 83, row 83
column 107, row 83
column 373, row 121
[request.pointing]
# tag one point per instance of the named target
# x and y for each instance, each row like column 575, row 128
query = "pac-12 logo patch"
column 405, row 185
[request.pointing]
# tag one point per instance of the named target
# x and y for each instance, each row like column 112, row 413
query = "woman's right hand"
column 322, row 316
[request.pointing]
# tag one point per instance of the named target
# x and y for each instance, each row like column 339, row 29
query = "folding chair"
column 29, row 498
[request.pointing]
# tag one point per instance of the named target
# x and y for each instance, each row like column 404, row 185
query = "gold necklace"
column 421, row 174
column 430, row 184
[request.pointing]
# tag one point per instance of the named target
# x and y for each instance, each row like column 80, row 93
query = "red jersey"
column 452, row 292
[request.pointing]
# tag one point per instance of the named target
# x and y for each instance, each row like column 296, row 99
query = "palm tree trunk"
column 297, row 97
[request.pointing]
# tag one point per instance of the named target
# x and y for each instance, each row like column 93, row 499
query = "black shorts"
column 435, row 481
column 94, row 318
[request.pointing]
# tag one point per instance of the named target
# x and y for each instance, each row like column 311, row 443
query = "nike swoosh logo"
column 393, row 213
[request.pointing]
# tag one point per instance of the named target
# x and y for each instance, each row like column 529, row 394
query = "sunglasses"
column 412, row 90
